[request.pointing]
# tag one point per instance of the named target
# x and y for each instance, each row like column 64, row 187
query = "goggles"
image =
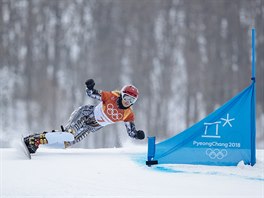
column 128, row 98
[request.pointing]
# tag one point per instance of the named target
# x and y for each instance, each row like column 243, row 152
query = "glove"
column 90, row 84
column 140, row 135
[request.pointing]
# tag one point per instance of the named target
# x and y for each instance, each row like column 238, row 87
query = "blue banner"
column 222, row 138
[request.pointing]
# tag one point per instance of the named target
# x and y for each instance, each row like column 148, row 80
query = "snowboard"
column 52, row 138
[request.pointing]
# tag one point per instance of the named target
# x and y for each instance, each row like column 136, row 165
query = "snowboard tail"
column 25, row 148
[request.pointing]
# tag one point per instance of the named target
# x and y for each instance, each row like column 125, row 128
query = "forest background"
column 187, row 57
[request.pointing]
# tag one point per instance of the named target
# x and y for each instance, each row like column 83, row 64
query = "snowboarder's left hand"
column 140, row 135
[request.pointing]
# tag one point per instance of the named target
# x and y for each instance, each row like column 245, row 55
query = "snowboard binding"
column 33, row 141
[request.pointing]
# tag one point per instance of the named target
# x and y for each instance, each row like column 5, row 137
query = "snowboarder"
column 115, row 106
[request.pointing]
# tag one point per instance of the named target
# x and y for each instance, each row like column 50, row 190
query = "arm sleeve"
column 131, row 129
column 95, row 94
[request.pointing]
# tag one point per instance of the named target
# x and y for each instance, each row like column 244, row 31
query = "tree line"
column 187, row 57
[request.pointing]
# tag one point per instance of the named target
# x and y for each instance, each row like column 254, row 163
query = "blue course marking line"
column 140, row 160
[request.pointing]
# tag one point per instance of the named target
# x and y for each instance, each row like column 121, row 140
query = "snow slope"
column 121, row 173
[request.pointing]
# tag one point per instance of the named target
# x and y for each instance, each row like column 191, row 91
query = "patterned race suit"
column 89, row 118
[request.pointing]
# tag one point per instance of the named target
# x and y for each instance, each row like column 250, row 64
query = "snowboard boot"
column 33, row 141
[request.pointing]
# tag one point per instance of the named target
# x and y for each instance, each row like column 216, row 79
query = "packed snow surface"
column 121, row 172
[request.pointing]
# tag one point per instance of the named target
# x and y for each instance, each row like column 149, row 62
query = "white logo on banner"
column 227, row 120
column 216, row 153
column 215, row 135
column 215, row 127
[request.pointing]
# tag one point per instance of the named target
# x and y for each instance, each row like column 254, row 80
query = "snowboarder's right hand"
column 140, row 135
column 90, row 84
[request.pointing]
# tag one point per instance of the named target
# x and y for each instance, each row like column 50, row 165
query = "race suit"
column 90, row 118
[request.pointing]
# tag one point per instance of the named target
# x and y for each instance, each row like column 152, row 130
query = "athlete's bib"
column 107, row 111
